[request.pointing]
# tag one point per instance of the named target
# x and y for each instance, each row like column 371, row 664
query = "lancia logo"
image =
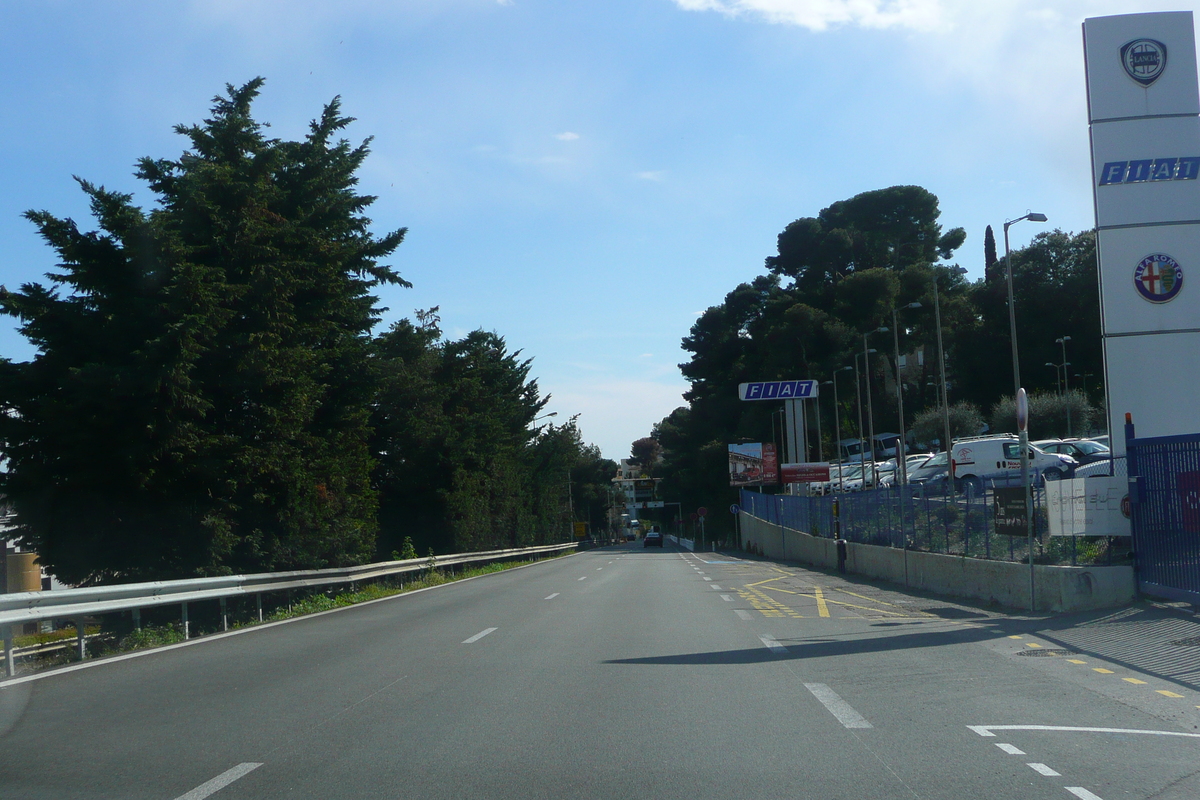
column 1158, row 278
column 1144, row 60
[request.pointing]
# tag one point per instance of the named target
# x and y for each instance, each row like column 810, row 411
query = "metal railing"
column 23, row 607
column 934, row 519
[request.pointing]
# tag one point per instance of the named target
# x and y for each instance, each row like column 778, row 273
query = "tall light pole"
column 870, row 410
column 837, row 421
column 862, row 452
column 1066, row 386
column 901, row 446
column 1012, row 309
column 1018, row 397
column 1057, row 377
column 937, row 318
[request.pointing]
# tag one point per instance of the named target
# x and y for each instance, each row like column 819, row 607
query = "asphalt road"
column 616, row 673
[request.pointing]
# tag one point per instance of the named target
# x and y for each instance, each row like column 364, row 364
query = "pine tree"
column 200, row 397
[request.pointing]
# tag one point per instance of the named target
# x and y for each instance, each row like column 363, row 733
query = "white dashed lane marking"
column 1082, row 793
column 772, row 645
column 837, row 706
column 1044, row 770
column 1008, row 748
column 551, row 597
column 478, row 636
column 220, row 782
column 728, row 598
column 744, row 614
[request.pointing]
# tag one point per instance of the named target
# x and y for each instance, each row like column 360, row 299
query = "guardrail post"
column 185, row 622
column 81, row 638
column 258, row 598
column 137, row 619
column 10, row 666
column 224, row 616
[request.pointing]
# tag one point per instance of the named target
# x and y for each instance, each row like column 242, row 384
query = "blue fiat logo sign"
column 1158, row 278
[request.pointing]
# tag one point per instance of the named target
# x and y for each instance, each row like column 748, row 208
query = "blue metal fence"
column 933, row 519
column 1164, row 477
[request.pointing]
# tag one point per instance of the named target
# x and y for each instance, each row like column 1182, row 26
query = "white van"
column 996, row 461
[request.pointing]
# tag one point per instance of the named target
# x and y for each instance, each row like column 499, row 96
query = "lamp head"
column 913, row 304
column 1033, row 216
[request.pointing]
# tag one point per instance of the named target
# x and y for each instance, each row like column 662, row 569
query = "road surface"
column 623, row 672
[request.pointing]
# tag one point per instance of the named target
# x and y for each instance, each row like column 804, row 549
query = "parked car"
column 1084, row 451
column 931, row 471
column 1101, row 468
column 996, row 461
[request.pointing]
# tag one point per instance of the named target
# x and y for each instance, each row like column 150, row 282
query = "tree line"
column 209, row 395
column 834, row 281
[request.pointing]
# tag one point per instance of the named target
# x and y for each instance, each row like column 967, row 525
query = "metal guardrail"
column 23, row 607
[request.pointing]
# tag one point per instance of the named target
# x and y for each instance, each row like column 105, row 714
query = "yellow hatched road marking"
column 760, row 583
column 1076, row 661
column 863, row 608
column 864, row 597
column 1134, row 680
column 777, row 589
column 1102, row 670
column 822, row 609
column 1165, row 693
column 1032, row 644
column 1018, row 636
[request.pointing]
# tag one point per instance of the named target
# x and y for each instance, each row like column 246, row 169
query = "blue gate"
column 1164, row 482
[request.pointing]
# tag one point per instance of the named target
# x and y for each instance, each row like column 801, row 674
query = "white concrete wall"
column 1056, row 589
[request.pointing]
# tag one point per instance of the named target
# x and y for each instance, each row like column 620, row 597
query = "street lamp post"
column 858, row 391
column 1024, row 433
column 901, row 461
column 870, row 408
column 837, row 422
column 937, row 321
column 1057, row 377
column 1066, row 386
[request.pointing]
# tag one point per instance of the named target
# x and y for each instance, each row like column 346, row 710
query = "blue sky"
column 583, row 178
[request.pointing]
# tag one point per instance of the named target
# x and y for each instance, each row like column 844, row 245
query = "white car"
column 985, row 461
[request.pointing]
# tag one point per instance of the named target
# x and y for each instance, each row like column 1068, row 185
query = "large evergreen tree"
column 200, row 395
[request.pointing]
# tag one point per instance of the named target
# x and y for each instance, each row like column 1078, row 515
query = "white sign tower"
column 1144, row 116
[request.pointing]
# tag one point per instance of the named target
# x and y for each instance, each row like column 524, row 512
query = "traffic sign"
column 702, row 511
column 777, row 390
column 734, row 509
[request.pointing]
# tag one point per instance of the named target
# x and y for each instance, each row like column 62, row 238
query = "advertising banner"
column 1097, row 506
column 777, row 390
column 1008, row 509
column 809, row 472
column 753, row 464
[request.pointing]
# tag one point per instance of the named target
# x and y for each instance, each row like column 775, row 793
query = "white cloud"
column 566, row 136
column 647, row 355
column 652, row 175
column 817, row 15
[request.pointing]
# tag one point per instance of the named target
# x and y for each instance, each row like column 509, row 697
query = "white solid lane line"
column 1008, row 748
column 744, row 614
column 478, row 636
column 220, row 782
column 1082, row 793
column 551, row 597
column 772, row 645
column 1043, row 769
column 837, row 706
column 986, row 730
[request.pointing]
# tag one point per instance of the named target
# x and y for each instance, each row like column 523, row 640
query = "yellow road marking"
column 1134, row 680
column 1032, row 644
column 1165, row 693
column 1103, row 670
column 760, row 583
column 822, row 609
column 864, row 597
column 864, row 608
column 777, row 589
column 1076, row 661
column 1018, row 636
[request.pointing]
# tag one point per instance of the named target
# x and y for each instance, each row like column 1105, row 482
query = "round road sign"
column 702, row 511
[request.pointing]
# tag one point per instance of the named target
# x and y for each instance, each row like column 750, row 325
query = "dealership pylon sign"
column 1144, row 117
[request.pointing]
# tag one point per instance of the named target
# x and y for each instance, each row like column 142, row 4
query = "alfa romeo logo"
column 1144, row 60
column 1158, row 278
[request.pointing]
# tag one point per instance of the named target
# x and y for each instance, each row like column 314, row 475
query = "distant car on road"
column 653, row 538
